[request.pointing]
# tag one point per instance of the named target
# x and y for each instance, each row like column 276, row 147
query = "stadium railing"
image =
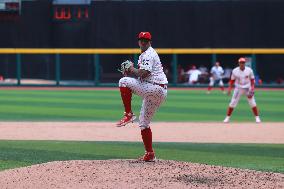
column 97, row 52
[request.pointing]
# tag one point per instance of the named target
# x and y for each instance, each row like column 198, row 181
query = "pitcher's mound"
column 135, row 174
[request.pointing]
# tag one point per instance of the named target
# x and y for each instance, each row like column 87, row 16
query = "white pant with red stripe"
column 153, row 96
column 238, row 92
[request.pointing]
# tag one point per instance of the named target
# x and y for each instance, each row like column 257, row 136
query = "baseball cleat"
column 148, row 157
column 257, row 119
column 227, row 119
column 127, row 118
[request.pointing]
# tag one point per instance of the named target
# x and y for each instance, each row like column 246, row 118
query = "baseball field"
column 68, row 125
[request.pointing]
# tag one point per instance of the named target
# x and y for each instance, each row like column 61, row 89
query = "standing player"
column 151, row 85
column 243, row 78
column 216, row 75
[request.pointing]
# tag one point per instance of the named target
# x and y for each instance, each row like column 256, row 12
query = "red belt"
column 165, row 86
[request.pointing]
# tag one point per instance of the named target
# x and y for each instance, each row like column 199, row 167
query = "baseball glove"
column 124, row 67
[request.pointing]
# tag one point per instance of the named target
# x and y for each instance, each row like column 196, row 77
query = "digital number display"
column 71, row 13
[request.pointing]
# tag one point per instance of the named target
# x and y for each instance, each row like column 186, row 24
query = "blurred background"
column 202, row 25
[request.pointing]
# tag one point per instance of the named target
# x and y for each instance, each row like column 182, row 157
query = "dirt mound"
column 135, row 174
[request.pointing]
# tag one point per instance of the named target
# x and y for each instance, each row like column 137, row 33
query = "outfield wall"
column 174, row 24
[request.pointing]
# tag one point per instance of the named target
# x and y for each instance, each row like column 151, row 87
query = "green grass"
column 264, row 157
column 181, row 105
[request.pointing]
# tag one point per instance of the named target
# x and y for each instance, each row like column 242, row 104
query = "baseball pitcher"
column 150, row 83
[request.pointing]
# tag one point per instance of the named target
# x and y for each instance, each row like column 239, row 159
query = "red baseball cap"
column 242, row 59
column 145, row 35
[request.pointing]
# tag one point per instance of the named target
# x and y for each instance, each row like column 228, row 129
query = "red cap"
column 145, row 35
column 242, row 59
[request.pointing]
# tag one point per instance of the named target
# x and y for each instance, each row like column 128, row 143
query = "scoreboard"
column 71, row 20
column 71, row 12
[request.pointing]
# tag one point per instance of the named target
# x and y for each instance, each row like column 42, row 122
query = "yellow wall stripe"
column 137, row 51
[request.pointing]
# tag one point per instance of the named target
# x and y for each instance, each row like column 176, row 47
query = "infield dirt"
column 211, row 132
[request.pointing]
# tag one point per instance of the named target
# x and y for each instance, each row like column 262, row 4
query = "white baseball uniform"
column 217, row 73
column 242, row 85
column 193, row 76
column 152, row 89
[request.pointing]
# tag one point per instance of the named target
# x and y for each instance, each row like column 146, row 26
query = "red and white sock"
column 126, row 96
column 147, row 139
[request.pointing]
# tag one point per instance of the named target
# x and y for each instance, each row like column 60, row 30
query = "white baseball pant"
column 238, row 92
column 153, row 96
column 212, row 81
